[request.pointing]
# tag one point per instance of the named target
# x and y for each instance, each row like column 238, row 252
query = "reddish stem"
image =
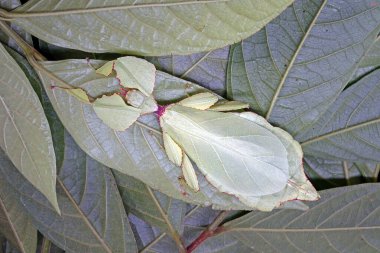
column 212, row 230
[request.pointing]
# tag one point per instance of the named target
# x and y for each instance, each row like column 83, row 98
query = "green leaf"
column 138, row 151
column 26, row 134
column 207, row 69
column 370, row 171
column 294, row 68
column 154, row 28
column 256, row 162
column 151, row 239
column 15, row 223
column 331, row 173
column 345, row 219
column 372, row 58
column 369, row 62
column 349, row 130
column 56, row 126
column 10, row 5
column 93, row 217
column 153, row 207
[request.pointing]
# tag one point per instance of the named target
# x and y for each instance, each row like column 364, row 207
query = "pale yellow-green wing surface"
column 298, row 186
column 236, row 155
column 113, row 111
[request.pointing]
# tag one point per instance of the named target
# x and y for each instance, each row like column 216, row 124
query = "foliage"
column 72, row 179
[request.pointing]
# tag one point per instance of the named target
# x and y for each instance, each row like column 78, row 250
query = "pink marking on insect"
column 160, row 110
column 52, row 87
column 123, row 91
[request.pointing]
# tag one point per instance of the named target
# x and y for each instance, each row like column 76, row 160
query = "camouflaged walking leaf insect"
column 113, row 111
column 239, row 154
column 139, row 100
column 132, row 72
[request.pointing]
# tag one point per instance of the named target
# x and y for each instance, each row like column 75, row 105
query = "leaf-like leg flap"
column 229, row 106
column 113, row 111
column 136, row 73
column 200, row 101
column 106, row 69
column 172, row 149
column 189, row 173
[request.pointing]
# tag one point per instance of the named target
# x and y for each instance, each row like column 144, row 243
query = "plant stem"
column 28, row 49
column 33, row 57
column 46, row 245
column 346, row 172
column 376, row 173
column 211, row 230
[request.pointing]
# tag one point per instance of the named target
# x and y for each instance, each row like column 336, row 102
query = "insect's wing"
column 113, row 111
column 236, row 155
column 298, row 187
column 172, row 149
column 229, row 106
column 189, row 173
column 200, row 101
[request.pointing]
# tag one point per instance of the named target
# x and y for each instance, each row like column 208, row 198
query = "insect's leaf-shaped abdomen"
column 236, row 155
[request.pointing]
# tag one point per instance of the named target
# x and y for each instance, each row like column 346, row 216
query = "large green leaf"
column 294, row 68
column 154, row 207
column 15, row 223
column 10, row 5
column 326, row 174
column 207, row 69
column 93, row 217
column 151, row 239
column 26, row 134
column 138, row 151
column 56, row 126
column 349, row 130
column 344, row 220
column 146, row 28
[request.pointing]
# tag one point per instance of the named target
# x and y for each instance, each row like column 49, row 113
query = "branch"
column 211, row 230
column 46, row 245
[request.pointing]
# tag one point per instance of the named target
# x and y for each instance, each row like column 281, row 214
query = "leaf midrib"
column 21, row 137
column 18, row 240
column 340, row 131
column 299, row 230
column 85, row 219
column 15, row 14
column 291, row 63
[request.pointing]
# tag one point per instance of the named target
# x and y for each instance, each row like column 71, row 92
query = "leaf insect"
column 238, row 153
